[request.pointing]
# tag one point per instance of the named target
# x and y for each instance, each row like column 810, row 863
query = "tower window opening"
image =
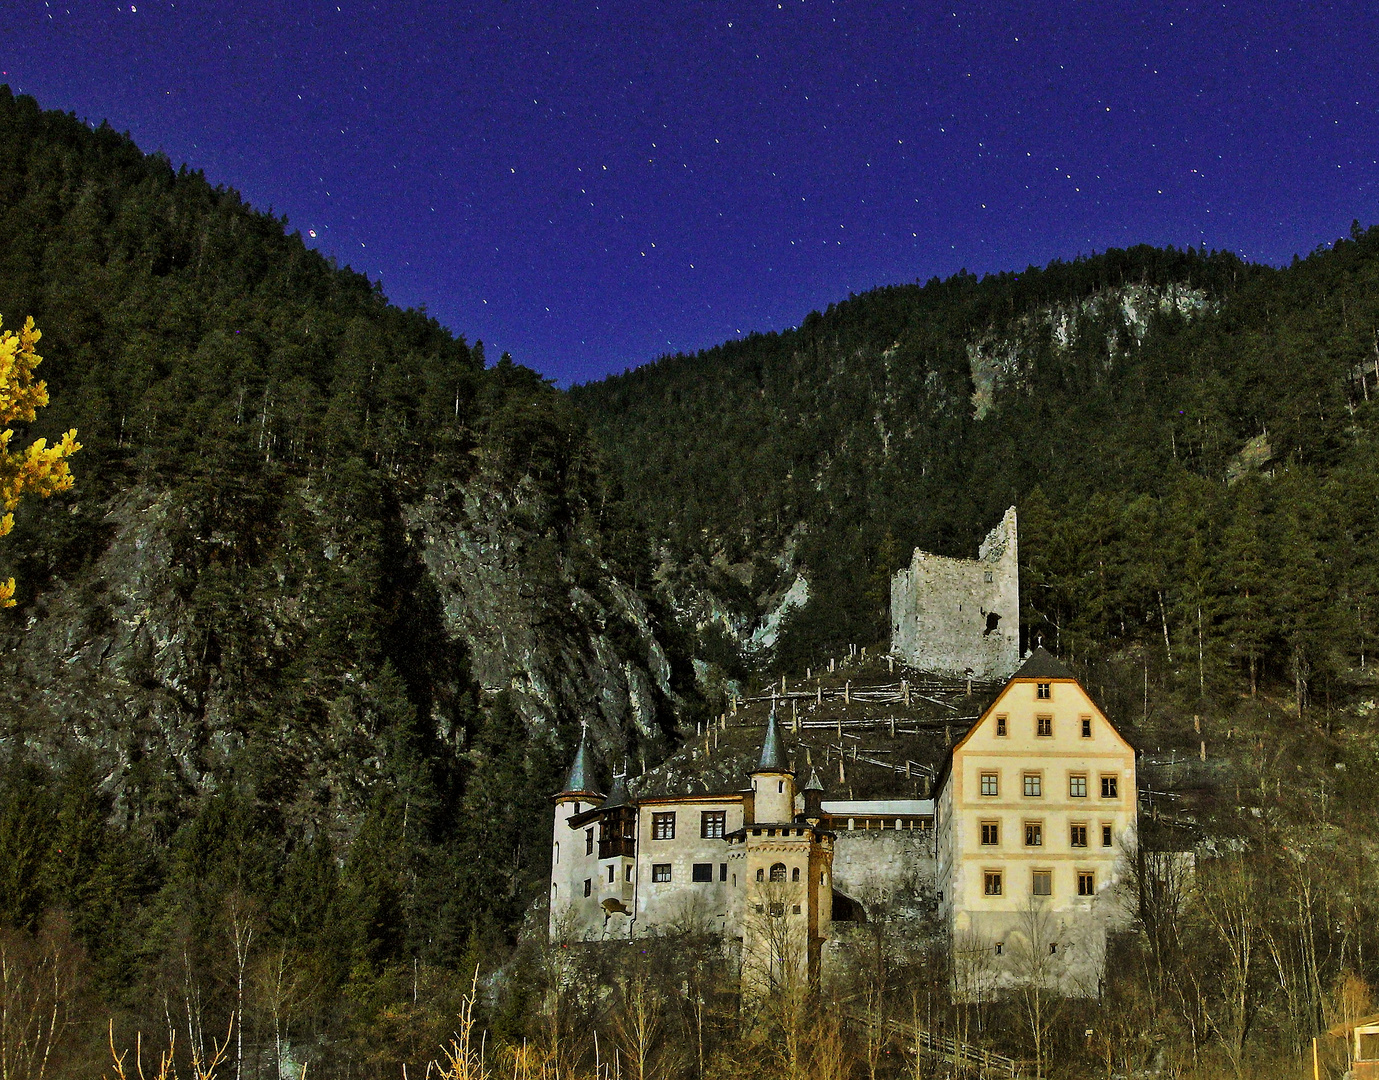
column 778, row 871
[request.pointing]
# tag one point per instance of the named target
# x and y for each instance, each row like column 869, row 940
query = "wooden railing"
column 965, row 1057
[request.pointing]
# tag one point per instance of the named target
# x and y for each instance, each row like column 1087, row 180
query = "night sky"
column 589, row 186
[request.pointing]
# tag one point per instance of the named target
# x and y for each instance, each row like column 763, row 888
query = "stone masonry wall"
column 891, row 867
column 961, row 617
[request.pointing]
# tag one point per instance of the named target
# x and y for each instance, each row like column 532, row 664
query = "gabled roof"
column 581, row 777
column 1042, row 664
column 773, row 757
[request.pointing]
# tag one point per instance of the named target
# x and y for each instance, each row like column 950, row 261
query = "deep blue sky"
column 591, row 185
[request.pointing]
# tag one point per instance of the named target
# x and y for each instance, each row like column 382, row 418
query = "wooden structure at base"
column 966, row 1058
column 1362, row 1045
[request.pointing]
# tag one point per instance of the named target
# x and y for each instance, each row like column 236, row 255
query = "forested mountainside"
column 318, row 626
column 1191, row 442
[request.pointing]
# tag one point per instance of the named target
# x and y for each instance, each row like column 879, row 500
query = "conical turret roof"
column 773, row 757
column 815, row 784
column 581, row 777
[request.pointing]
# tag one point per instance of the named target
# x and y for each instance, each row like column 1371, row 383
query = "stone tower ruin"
column 961, row 617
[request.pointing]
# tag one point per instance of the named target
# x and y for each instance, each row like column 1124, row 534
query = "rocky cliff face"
column 189, row 649
column 551, row 625
column 1107, row 323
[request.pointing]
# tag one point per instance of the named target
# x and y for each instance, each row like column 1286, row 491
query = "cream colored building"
column 1034, row 818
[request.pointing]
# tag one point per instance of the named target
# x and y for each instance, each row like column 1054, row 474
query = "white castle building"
column 1035, row 814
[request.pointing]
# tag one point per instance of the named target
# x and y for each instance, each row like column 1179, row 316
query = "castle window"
column 1034, row 834
column 1043, row 726
column 988, row 577
column 797, row 909
column 1034, row 785
column 1000, row 727
column 1053, row 948
column 557, row 851
column 1086, row 727
column 1000, row 947
column 1077, row 786
column 660, row 871
column 991, row 883
column 588, row 841
column 713, row 824
column 722, row 871
column 1086, row 883
column 554, row 889
column 795, row 874
column 991, row 833
column 778, row 871
column 761, row 874
column 663, row 826
column 627, row 872
column 1043, row 691
column 780, row 787
column 702, row 871
column 1078, row 835
column 588, row 886
column 612, row 870
column 991, row 784
column 777, row 910
column 1110, row 787
column 576, row 809
column 1106, row 839
column 1041, row 883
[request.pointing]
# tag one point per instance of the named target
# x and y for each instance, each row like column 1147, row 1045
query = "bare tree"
column 1230, row 896
column 638, row 1020
column 39, row 980
column 279, row 981
column 973, row 977
column 775, row 976
column 241, row 924
column 1037, row 967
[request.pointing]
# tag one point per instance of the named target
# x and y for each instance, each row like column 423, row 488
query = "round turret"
column 773, row 781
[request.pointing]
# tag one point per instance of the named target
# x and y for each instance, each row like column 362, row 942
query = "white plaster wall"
column 572, row 914
column 660, row 904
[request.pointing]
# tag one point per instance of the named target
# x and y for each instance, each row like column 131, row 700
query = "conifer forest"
column 296, row 664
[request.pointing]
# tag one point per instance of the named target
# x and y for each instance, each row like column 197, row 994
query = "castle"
column 1019, row 850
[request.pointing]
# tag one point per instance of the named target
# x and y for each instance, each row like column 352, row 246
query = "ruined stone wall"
column 961, row 617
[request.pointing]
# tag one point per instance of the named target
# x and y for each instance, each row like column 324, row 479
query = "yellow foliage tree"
column 38, row 469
